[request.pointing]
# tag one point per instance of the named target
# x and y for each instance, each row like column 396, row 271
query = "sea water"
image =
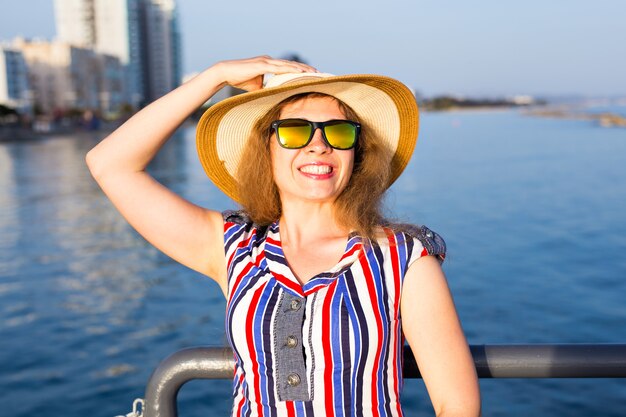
column 533, row 212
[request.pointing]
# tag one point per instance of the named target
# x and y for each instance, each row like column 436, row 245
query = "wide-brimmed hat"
column 384, row 105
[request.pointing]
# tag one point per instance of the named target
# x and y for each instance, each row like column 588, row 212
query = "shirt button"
column 295, row 304
column 292, row 341
column 293, row 380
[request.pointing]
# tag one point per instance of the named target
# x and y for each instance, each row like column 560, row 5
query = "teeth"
column 316, row 169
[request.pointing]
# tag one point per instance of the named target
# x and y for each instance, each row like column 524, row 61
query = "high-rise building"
column 118, row 33
column 162, row 47
column 75, row 22
column 14, row 87
column 143, row 34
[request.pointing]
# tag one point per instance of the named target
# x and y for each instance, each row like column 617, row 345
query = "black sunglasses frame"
column 317, row 125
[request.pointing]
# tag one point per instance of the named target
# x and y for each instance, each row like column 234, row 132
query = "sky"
column 475, row 48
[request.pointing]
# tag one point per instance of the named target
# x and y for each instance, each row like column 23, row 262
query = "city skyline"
column 106, row 56
column 560, row 48
column 141, row 33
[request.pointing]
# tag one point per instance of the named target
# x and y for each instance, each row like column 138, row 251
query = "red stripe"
column 291, row 411
column 369, row 279
column 230, row 259
column 395, row 266
column 238, row 280
column 328, row 355
column 424, row 252
column 259, row 259
column 247, row 268
column 351, row 251
column 246, row 243
column 313, row 289
column 243, row 397
column 251, row 348
column 288, row 283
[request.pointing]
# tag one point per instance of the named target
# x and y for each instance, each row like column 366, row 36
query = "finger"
column 302, row 65
column 283, row 65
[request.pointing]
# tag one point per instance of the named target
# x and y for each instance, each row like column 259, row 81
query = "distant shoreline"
column 460, row 109
column 24, row 134
column 606, row 119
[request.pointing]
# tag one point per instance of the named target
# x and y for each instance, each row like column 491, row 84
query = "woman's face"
column 317, row 172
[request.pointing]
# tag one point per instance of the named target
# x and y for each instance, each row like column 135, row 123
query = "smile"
column 316, row 169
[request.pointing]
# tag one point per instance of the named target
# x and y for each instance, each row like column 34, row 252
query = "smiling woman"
column 321, row 291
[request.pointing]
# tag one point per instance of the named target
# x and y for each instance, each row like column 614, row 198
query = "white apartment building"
column 14, row 87
column 75, row 22
column 109, row 27
column 143, row 34
column 65, row 77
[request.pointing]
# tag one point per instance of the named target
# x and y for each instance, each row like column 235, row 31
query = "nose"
column 318, row 143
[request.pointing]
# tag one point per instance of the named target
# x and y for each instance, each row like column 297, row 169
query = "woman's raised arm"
column 190, row 234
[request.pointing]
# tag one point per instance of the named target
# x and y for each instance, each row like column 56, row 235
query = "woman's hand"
column 247, row 74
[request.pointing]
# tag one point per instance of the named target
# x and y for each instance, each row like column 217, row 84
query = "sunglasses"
column 297, row 133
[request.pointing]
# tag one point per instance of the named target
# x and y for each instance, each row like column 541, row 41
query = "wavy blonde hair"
column 359, row 205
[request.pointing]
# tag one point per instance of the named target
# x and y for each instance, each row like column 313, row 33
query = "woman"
column 309, row 158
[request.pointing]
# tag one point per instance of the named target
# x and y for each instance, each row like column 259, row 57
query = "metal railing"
column 492, row 361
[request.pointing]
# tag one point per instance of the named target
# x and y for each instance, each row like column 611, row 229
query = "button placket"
column 290, row 375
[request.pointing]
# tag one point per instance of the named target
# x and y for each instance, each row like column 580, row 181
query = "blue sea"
column 533, row 211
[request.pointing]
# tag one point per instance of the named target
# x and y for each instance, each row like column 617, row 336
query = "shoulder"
column 240, row 220
column 238, row 217
column 431, row 241
column 239, row 229
column 420, row 240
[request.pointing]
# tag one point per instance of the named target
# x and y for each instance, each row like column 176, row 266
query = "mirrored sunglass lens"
column 340, row 135
column 294, row 134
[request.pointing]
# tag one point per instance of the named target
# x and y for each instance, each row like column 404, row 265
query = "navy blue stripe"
column 232, row 236
column 245, row 286
column 276, row 258
column 268, row 347
column 362, row 334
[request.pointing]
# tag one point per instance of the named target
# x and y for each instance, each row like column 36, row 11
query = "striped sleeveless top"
column 330, row 347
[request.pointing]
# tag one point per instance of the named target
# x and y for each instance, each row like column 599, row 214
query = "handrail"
column 491, row 361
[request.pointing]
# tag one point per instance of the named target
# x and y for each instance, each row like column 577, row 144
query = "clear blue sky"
column 486, row 47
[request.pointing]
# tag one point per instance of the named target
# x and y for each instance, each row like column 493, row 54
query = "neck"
column 302, row 223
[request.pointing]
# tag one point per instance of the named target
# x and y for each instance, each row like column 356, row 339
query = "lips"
column 317, row 171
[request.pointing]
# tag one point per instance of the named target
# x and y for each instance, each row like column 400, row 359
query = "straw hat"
column 383, row 105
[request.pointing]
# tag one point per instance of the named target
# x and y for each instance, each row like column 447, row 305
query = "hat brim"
column 383, row 104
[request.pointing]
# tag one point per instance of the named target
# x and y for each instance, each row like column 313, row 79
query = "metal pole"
column 541, row 361
column 179, row 368
column 492, row 361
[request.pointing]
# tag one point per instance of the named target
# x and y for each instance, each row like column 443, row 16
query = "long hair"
column 359, row 205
